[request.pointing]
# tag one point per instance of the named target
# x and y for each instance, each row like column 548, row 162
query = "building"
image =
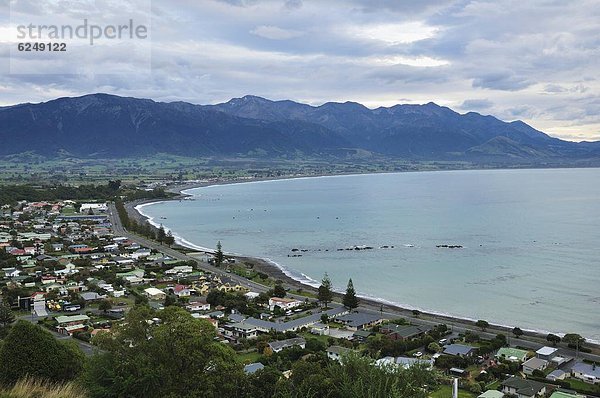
column 589, row 373
column 283, row 303
column 155, row 294
column 522, row 388
column 405, row 362
column 335, row 352
column 534, row 364
column 556, row 375
column 546, row 353
column 360, row 320
column 281, row 345
column 404, row 332
column 252, row 368
column 71, row 324
column 511, row 354
column 460, row 350
column 197, row 305
column 240, row 330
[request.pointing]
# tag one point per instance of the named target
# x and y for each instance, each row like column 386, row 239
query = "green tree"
column 573, row 340
column 325, row 295
column 160, row 234
column 350, row 300
column 434, row 347
column 416, row 313
column 105, row 306
column 219, row 257
column 279, row 290
column 169, row 239
column 482, row 324
column 176, row 357
column 170, row 300
column 30, row 350
column 552, row 338
column 517, row 332
column 6, row 315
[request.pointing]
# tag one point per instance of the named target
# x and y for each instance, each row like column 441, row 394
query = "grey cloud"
column 502, row 81
column 477, row 104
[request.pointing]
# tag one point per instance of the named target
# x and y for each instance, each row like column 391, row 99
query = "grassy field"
column 249, row 357
column 446, row 392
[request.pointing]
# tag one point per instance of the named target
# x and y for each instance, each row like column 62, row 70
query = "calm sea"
column 530, row 239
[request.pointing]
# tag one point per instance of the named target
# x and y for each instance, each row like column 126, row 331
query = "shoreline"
column 279, row 272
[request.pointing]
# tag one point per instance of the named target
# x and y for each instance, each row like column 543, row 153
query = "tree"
column 517, row 332
column 170, row 300
column 6, row 315
column 434, row 347
column 176, row 357
column 219, row 257
column 325, row 294
column 30, row 350
column 416, row 313
column 105, row 306
column 279, row 290
column 350, row 300
column 482, row 324
column 169, row 239
column 573, row 340
column 161, row 235
column 554, row 339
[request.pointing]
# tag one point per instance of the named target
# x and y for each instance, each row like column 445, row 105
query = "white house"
column 155, row 294
column 335, row 352
column 534, row 364
column 589, row 373
column 283, row 303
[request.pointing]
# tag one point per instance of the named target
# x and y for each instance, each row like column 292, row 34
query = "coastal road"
column 118, row 230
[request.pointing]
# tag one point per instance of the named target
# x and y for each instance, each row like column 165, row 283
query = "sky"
column 537, row 61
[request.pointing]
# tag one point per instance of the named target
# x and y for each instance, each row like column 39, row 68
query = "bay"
column 530, row 239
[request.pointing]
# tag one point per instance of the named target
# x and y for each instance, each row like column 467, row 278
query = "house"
column 241, row 330
column 92, row 296
column 320, row 329
column 71, row 324
column 405, row 362
column 511, row 354
column 459, row 350
column 155, row 294
column 404, row 332
column 283, row 303
column 522, row 388
column 556, row 375
column 252, row 368
column 281, row 345
column 361, row 335
column 335, row 352
column 197, row 305
column 251, row 295
column 534, row 364
column 491, row 394
column 589, row 373
column 546, row 353
column 179, row 269
column 181, row 291
column 360, row 320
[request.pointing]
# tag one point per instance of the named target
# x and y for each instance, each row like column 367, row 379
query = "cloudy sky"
column 538, row 61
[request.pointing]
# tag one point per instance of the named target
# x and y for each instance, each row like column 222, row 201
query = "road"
column 87, row 348
column 118, row 230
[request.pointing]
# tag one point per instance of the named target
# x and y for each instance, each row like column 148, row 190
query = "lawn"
column 249, row 357
column 446, row 392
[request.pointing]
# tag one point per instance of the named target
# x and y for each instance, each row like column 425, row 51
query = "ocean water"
column 531, row 238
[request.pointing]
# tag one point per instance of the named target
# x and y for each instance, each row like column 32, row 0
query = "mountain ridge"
column 108, row 125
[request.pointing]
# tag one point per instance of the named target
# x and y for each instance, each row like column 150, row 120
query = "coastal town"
column 71, row 267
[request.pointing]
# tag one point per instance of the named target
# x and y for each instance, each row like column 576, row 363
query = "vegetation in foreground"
column 171, row 354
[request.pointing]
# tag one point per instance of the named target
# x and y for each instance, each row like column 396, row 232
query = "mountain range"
column 109, row 126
